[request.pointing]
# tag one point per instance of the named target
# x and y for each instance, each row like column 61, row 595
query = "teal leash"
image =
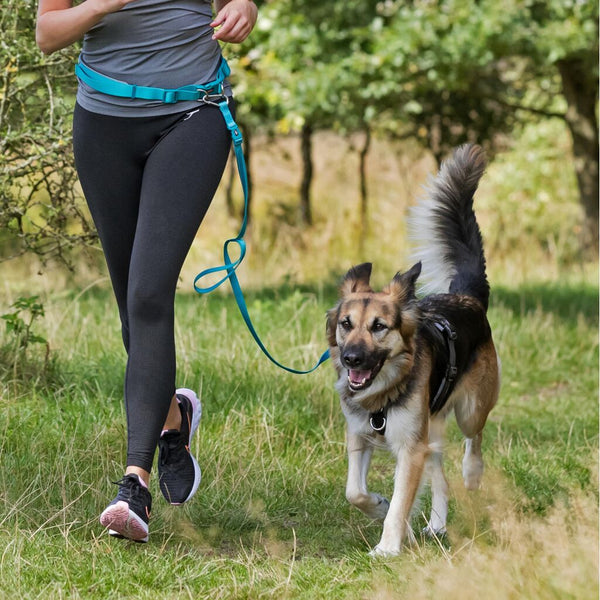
column 230, row 266
column 210, row 93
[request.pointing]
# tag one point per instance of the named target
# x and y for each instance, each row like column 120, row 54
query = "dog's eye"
column 346, row 323
column 378, row 326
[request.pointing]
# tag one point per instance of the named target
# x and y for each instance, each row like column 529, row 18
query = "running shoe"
column 178, row 472
column 128, row 514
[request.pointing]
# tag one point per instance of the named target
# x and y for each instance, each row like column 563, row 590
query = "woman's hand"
column 235, row 20
column 59, row 23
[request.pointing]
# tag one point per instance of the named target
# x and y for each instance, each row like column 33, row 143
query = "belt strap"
column 114, row 87
column 209, row 93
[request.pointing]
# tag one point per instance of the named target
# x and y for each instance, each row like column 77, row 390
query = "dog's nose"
column 352, row 359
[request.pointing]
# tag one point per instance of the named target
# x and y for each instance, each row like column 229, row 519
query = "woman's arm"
column 235, row 20
column 59, row 23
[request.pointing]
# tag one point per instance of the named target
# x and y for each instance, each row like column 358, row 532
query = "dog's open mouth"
column 359, row 379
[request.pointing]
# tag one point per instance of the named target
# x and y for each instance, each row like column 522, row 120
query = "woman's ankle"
column 173, row 420
column 141, row 473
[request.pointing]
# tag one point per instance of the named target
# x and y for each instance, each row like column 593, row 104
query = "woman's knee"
column 149, row 305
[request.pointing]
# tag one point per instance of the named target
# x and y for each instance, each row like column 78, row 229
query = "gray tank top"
column 158, row 43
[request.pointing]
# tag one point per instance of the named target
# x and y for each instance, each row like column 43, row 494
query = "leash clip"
column 213, row 99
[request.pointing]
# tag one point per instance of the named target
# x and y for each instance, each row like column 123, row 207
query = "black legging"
column 148, row 182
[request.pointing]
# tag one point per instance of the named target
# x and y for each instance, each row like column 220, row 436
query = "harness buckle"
column 213, row 95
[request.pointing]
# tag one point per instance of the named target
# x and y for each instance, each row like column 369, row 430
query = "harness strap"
column 210, row 93
column 378, row 419
column 447, row 382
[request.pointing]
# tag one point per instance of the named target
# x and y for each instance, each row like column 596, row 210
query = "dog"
column 403, row 364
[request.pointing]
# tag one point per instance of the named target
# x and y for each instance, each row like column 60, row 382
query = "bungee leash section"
column 211, row 93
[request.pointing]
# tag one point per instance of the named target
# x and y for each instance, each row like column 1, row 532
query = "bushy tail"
column 444, row 231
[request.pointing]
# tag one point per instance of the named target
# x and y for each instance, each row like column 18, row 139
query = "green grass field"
column 270, row 519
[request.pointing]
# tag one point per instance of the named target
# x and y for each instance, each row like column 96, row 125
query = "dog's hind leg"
column 478, row 396
column 359, row 460
column 472, row 426
column 439, row 484
column 473, row 462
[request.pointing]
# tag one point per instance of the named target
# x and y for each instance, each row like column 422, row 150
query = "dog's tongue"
column 358, row 376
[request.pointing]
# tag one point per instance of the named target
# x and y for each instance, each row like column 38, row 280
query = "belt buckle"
column 213, row 96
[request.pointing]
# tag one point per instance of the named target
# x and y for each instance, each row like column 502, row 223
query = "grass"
column 270, row 519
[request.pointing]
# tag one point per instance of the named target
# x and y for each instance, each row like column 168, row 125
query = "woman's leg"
column 181, row 175
column 148, row 183
column 110, row 156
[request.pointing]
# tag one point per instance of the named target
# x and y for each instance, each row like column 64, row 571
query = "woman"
column 149, row 170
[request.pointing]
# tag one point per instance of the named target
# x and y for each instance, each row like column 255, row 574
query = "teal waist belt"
column 114, row 87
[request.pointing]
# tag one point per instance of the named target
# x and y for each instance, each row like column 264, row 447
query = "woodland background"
column 433, row 73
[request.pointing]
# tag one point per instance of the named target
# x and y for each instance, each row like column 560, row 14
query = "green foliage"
column 531, row 183
column 40, row 204
column 18, row 359
column 20, row 329
column 440, row 72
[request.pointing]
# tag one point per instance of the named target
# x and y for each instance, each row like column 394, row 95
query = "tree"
column 304, row 48
column 453, row 71
column 41, row 210
column 565, row 41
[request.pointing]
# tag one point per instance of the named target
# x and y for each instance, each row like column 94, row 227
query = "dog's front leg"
column 409, row 470
column 359, row 460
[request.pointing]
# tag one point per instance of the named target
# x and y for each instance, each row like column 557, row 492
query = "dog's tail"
column 444, row 231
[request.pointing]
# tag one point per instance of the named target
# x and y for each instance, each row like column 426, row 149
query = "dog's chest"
column 402, row 425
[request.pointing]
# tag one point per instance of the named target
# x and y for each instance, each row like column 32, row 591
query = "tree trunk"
column 307, row 173
column 434, row 135
column 580, row 88
column 364, row 193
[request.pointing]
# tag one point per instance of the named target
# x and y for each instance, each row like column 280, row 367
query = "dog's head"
column 371, row 334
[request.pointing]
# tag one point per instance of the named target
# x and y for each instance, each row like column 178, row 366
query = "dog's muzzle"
column 361, row 372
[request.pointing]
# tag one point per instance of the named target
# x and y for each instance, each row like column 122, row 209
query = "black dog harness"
column 378, row 419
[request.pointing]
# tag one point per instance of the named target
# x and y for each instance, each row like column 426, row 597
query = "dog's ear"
column 357, row 280
column 403, row 284
column 331, row 325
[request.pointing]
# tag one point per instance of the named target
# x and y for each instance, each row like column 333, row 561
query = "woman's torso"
column 158, row 43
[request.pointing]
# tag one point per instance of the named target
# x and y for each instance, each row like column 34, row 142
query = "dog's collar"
column 449, row 378
column 378, row 420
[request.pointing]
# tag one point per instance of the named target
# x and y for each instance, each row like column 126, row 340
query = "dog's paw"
column 438, row 537
column 383, row 552
column 430, row 532
column 379, row 510
column 472, row 472
column 472, row 482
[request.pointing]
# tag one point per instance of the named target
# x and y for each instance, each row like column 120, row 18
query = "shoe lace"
column 130, row 483
column 171, row 447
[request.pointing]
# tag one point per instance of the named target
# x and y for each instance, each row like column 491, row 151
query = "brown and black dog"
column 403, row 364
